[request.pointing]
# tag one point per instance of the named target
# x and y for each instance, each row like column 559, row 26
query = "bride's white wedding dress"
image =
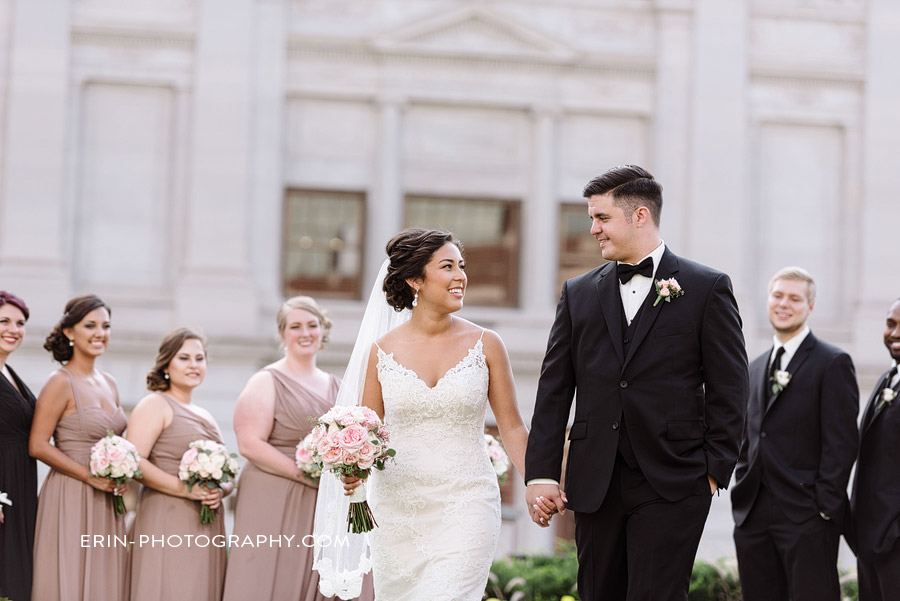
column 437, row 504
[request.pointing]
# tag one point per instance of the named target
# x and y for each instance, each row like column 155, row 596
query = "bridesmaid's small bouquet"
column 207, row 463
column 305, row 461
column 352, row 441
column 115, row 458
column 499, row 458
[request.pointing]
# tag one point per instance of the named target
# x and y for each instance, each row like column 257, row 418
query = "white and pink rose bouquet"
column 207, row 463
column 115, row 458
column 305, row 461
column 352, row 441
column 498, row 456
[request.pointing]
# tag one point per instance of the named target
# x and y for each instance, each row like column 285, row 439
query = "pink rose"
column 383, row 433
column 674, row 284
column 304, row 456
column 116, row 455
column 189, row 456
column 664, row 290
column 95, row 468
column 332, row 455
column 102, row 463
column 352, row 438
column 350, row 457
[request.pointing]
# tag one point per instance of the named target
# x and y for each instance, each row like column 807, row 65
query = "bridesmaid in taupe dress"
column 274, row 499
column 174, row 556
column 77, row 406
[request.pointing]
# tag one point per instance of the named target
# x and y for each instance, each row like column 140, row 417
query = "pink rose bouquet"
column 305, row 461
column 115, row 458
column 498, row 456
column 207, row 463
column 352, row 441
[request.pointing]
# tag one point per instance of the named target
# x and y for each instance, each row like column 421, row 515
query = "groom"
column 652, row 343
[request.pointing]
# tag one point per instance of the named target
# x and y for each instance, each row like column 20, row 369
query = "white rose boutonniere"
column 887, row 397
column 780, row 379
column 667, row 290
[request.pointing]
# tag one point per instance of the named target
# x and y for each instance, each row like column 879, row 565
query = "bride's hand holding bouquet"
column 350, row 442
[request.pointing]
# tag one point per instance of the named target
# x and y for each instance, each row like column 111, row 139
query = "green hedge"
column 553, row 578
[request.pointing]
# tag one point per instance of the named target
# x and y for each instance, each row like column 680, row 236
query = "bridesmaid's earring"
column 415, row 302
column 166, row 375
column 71, row 343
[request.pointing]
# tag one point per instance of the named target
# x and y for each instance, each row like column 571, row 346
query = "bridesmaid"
column 78, row 549
column 18, row 471
column 162, row 426
column 271, row 416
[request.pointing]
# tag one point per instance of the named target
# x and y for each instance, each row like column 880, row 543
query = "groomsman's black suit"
column 798, row 449
column 660, row 405
column 876, row 499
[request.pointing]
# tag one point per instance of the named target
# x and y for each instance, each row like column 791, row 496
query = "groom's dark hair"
column 409, row 252
column 630, row 187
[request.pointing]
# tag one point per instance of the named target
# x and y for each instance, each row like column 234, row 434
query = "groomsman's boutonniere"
column 667, row 290
column 780, row 379
column 887, row 397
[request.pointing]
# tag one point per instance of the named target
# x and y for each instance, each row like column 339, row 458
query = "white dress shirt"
column 790, row 347
column 635, row 290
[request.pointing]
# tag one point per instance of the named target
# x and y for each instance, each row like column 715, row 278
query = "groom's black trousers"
column 638, row 546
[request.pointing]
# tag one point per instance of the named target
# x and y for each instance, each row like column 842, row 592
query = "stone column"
column 34, row 226
column 671, row 122
column 384, row 206
column 539, row 261
column 717, row 208
column 881, row 183
column 267, row 160
column 215, row 290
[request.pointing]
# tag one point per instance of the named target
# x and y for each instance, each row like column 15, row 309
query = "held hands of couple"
column 543, row 501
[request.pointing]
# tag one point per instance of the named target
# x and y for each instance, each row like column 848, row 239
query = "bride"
column 429, row 374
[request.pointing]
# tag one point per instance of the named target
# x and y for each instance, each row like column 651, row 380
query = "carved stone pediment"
column 472, row 31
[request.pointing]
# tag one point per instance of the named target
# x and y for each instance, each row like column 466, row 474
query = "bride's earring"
column 415, row 302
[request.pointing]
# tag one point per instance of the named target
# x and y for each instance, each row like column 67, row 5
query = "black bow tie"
column 626, row 271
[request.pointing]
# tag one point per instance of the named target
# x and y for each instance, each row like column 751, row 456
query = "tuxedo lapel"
column 668, row 266
column 869, row 415
column 796, row 363
column 610, row 305
column 877, row 400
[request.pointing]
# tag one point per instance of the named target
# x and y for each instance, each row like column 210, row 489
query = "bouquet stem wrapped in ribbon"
column 207, row 463
column 115, row 458
column 352, row 441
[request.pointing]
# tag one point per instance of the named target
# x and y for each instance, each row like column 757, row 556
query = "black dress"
column 18, row 479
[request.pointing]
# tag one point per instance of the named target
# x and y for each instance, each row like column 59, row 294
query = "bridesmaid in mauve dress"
column 274, row 499
column 173, row 555
column 18, row 471
column 79, row 549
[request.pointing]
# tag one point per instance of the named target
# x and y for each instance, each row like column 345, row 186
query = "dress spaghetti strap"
column 482, row 334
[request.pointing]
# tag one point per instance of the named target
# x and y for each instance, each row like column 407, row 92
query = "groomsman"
column 652, row 343
column 800, row 439
column 876, row 488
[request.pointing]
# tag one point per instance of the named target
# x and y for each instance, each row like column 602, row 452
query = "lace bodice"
column 437, row 503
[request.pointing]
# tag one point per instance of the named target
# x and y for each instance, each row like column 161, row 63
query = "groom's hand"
column 543, row 500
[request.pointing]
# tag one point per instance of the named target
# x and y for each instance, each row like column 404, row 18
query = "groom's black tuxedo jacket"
column 681, row 387
column 801, row 442
column 876, row 486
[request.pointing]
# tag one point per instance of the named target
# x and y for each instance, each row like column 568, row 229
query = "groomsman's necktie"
column 776, row 365
column 890, row 377
column 626, row 271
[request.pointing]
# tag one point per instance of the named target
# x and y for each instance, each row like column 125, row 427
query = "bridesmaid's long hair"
column 168, row 348
column 76, row 309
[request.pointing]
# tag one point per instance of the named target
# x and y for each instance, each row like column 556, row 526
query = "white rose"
column 782, row 378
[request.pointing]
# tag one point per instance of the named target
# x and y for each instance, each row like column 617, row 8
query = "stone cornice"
column 146, row 39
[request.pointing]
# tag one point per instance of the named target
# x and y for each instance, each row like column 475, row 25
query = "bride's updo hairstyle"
column 76, row 310
column 409, row 252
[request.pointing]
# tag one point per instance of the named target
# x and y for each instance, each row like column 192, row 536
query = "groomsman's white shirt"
column 790, row 347
column 633, row 293
column 635, row 290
